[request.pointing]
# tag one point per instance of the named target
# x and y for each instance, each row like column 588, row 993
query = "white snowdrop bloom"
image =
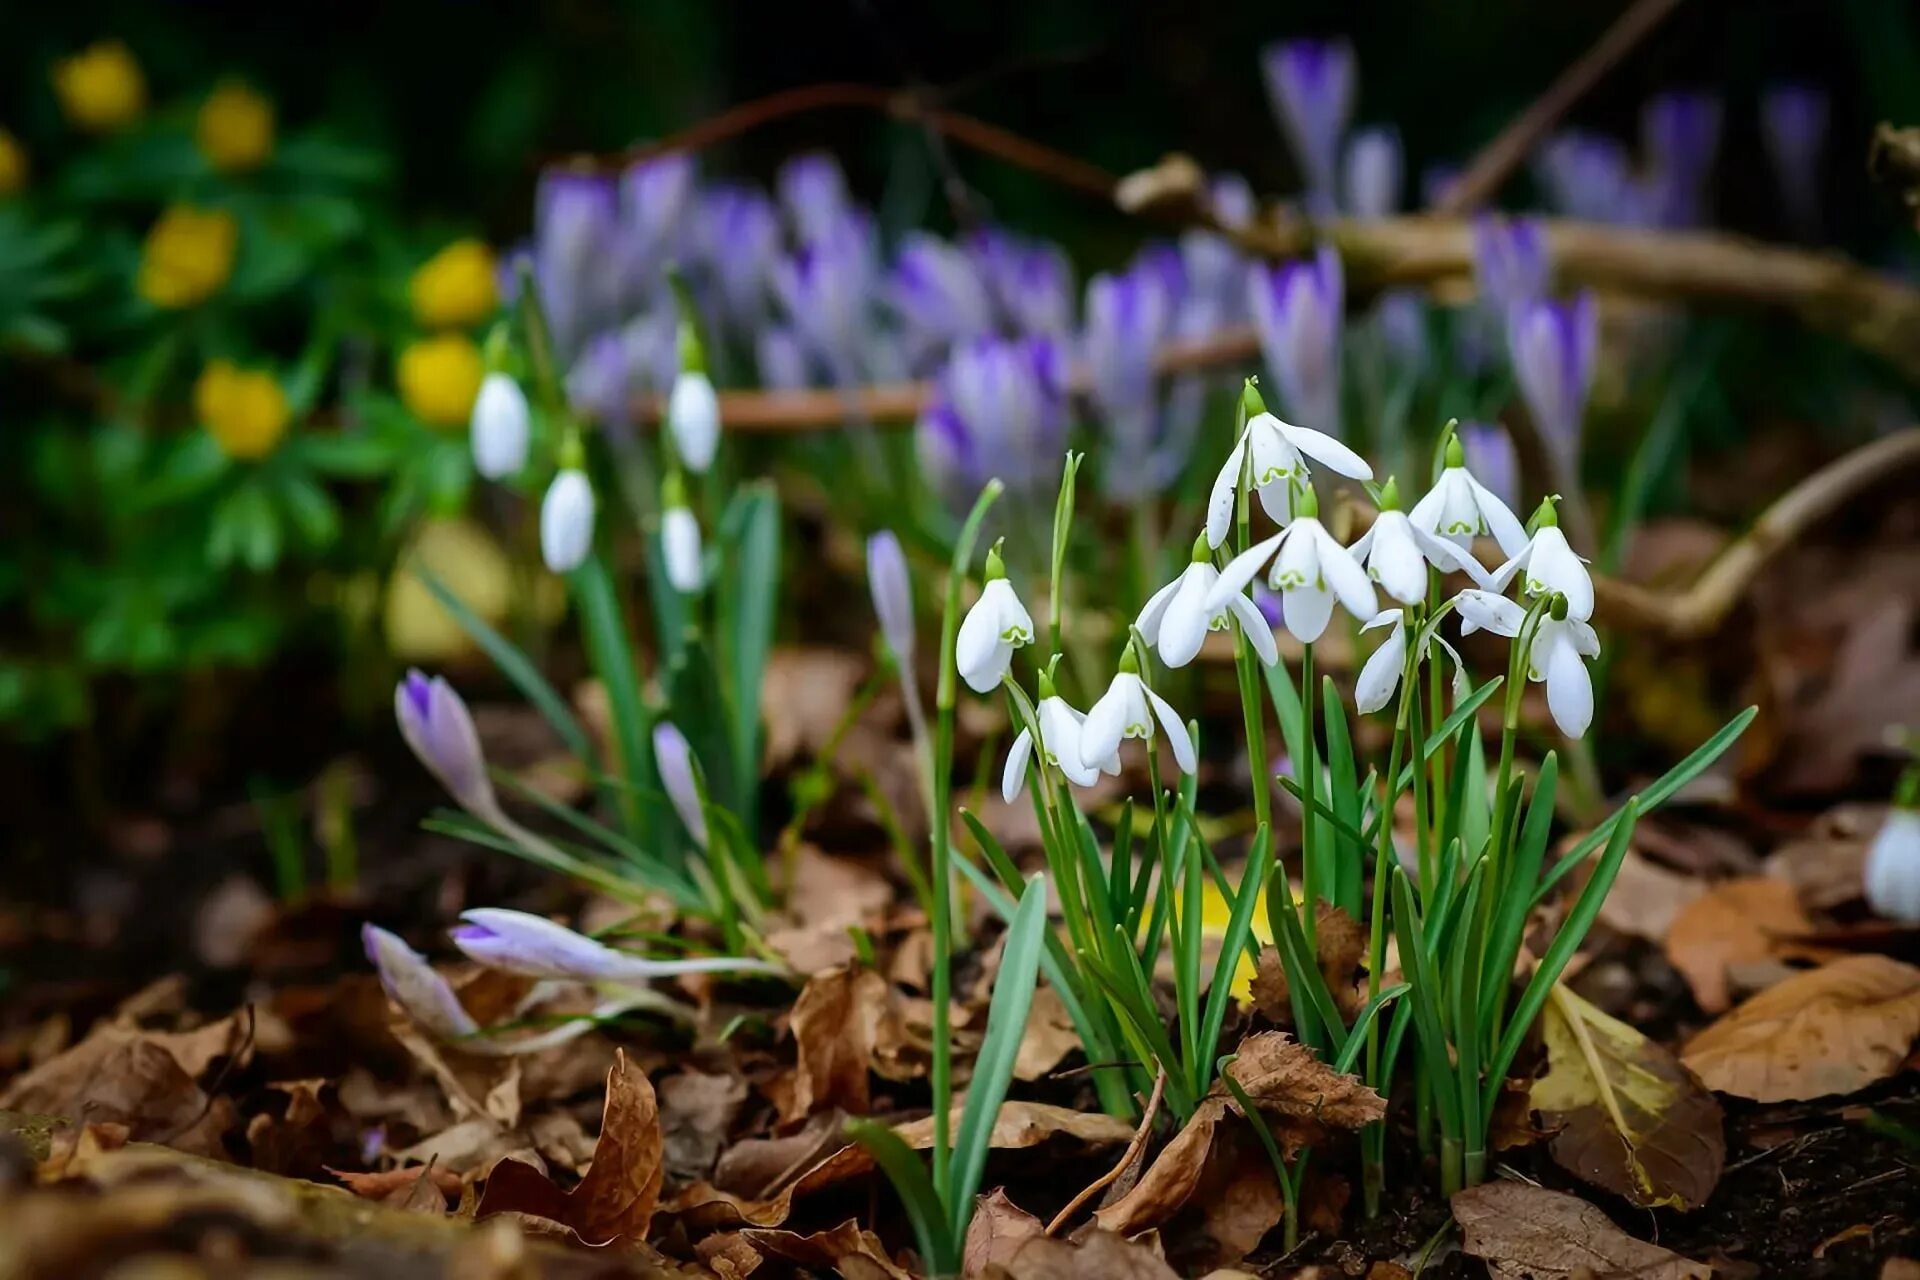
column 500, row 427
column 1060, row 733
column 1310, row 571
column 693, row 415
column 1893, row 867
column 1381, row 674
column 680, row 548
column 1278, row 448
column 1460, row 508
column 1558, row 657
column 1488, row 611
column 1176, row 619
column 566, row 521
column 996, row 625
column 1127, row 710
column 1549, row 565
column 1396, row 552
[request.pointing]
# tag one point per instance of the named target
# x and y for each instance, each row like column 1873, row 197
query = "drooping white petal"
column 1586, row 641
column 1276, row 499
column 1176, row 730
column 1014, row 623
column 1393, row 558
column 1184, row 629
column 1381, row 674
column 1349, row 581
column 1502, row 577
column 1500, row 522
column 980, row 655
column 1106, row 722
column 1241, row 570
column 1569, row 688
column 1447, row 557
column 1554, row 567
column 1151, row 613
column 1275, row 460
column 1426, row 512
column 1060, row 732
column 1308, row 610
column 1220, row 502
column 1254, row 623
column 1328, row 451
column 1485, row 611
column 1013, row 777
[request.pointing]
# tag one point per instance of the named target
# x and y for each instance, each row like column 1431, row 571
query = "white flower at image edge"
column 1310, row 571
column 1277, row 448
column 680, row 548
column 1060, row 727
column 1558, row 657
column 1127, row 710
column 693, row 414
column 500, row 427
column 566, row 521
column 1893, row 868
column 1176, row 619
column 996, row 625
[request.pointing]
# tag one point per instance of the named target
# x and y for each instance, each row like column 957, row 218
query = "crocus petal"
column 1328, row 451
column 1569, row 690
column 673, row 759
column 413, row 984
column 1240, row 571
column 1013, row 778
column 1176, row 730
column 1258, row 630
column 1381, row 674
column 1309, row 609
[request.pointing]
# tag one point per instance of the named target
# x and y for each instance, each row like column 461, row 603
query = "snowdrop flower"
column 500, row 427
column 414, row 985
column 1374, row 170
column 1310, row 570
column 1459, row 508
column 566, row 520
column 1176, row 618
column 996, row 625
column 693, row 415
column 892, row 591
column 679, row 537
column 436, row 724
column 1893, row 862
column 1560, row 647
column 1060, row 737
column 1396, row 552
column 673, row 759
column 535, row 947
column 1297, row 311
column 1127, row 710
column 1310, row 84
column 1481, row 610
column 1277, row 449
column 1381, row 674
column 1549, row 566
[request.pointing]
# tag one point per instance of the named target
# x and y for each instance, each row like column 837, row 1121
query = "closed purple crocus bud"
column 999, row 409
column 1590, row 177
column 826, row 289
column 413, row 984
column 535, row 947
column 1553, row 344
column 739, row 237
column 1310, row 84
column 813, row 191
column 1297, row 310
column 436, row 724
column 1793, row 125
column 1214, row 266
column 1510, row 264
column 575, row 222
column 1031, row 281
column 673, row 757
column 1491, row 459
column 1374, row 170
column 936, row 290
column 1128, row 317
column 781, row 359
column 1680, row 132
column 655, row 195
column 892, row 591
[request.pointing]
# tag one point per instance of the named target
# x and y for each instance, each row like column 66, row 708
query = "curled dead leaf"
column 998, row 1229
column 851, row 1251
column 1735, row 922
column 1831, row 1030
column 1530, row 1233
column 1340, row 943
column 835, row 1023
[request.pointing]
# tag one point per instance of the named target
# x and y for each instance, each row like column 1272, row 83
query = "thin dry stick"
column 1513, row 143
column 1127, row 1158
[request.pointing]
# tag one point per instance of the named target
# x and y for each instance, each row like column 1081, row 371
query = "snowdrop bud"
column 679, row 537
column 996, row 625
column 892, row 590
column 1893, row 867
column 436, row 724
column 500, row 427
column 566, row 521
column 673, row 757
column 412, row 984
column 693, row 415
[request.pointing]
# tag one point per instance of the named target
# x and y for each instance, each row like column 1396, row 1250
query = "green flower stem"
column 1310, row 784
column 1373, row 1139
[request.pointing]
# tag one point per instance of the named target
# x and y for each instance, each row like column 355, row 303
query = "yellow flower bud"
column 234, row 130
column 13, row 164
column 455, row 288
column 188, row 256
column 244, row 410
column 101, row 88
column 439, row 378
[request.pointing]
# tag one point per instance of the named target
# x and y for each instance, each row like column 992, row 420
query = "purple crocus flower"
column 655, row 195
column 535, row 947
column 436, row 724
column 781, row 359
column 1297, row 310
column 999, row 409
column 936, row 290
column 1793, row 125
column 599, row 384
column 1310, row 84
column 1215, row 268
column 1031, row 281
column 826, row 287
column 1491, row 459
column 1680, row 132
column 813, row 191
column 575, row 220
column 1373, row 173
column 1129, row 315
column 1510, row 264
column 414, row 985
column 892, row 590
column 739, row 234
column 1553, row 344
column 1588, row 176
column 673, row 757
column 1398, row 327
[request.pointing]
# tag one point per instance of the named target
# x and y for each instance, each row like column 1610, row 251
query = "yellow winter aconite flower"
column 455, row 289
column 244, row 410
column 234, row 130
column 188, row 256
column 13, row 164
column 101, row 88
column 439, row 378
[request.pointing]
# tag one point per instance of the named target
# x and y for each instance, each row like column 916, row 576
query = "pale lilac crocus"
column 1590, row 177
column 1793, row 125
column 738, row 239
column 1215, row 267
column 826, row 289
column 936, row 290
column 532, row 946
column 1310, row 84
column 416, row 987
column 892, row 590
column 1680, row 133
column 1297, row 310
column 1490, row 456
column 1553, row 345
column 999, row 409
column 781, row 359
column 673, row 758
column 1373, row 171
column 813, row 191
column 1031, row 281
column 436, row 724
column 575, row 222
column 1510, row 263
column 600, row 383
column 1129, row 316
column 654, row 197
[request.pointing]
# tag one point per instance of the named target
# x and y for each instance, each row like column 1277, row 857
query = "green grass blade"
column 908, row 1174
column 604, row 625
column 1239, row 930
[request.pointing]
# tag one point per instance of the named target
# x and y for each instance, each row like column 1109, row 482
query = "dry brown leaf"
column 383, row 1184
column 1340, row 942
column 803, row 695
column 853, row 1252
column 1646, row 897
column 1630, row 1118
column 1283, row 1076
column 1831, row 1030
column 835, row 1021
column 63, row 1084
column 1735, row 922
column 616, row 1200
column 1101, row 1255
column 1048, row 1039
column 998, row 1229
column 696, row 1112
column 1530, row 1233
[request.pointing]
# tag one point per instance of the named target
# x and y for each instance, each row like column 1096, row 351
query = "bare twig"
column 1127, row 1158
column 1513, row 143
